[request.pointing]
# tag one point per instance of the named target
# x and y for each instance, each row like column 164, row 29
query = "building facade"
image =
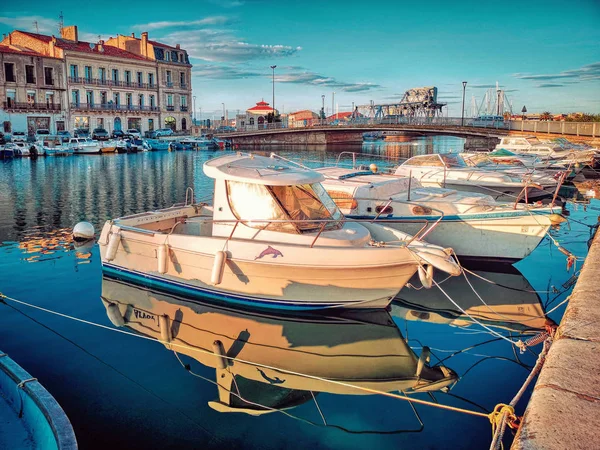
column 123, row 83
column 32, row 91
column 256, row 117
column 174, row 77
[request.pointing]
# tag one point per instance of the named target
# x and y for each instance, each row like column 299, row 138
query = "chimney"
column 100, row 46
column 177, row 46
column 144, row 44
column 70, row 33
column 132, row 35
column 51, row 44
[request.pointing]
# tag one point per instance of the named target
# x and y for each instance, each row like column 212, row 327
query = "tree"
column 546, row 115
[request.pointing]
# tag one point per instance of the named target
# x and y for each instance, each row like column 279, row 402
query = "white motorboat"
column 23, row 149
column 273, row 238
column 511, row 303
column 83, row 146
column 531, row 145
column 50, row 145
column 476, row 226
column 267, row 362
column 451, row 171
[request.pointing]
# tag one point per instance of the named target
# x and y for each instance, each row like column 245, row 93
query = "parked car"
column 41, row 132
column 64, row 135
column 118, row 134
column 100, row 134
column 150, row 134
column 19, row 136
column 164, row 132
column 81, row 132
column 134, row 133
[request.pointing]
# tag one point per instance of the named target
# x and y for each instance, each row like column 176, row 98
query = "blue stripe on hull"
column 458, row 217
column 179, row 288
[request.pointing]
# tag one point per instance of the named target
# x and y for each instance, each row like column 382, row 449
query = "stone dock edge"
column 43, row 416
column 564, row 409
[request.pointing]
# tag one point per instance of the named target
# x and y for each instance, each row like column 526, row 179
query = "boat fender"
column 83, row 231
column 426, row 276
column 162, row 255
column 423, row 360
column 218, row 268
column 165, row 329
column 113, row 245
column 446, row 264
column 114, row 314
column 219, row 351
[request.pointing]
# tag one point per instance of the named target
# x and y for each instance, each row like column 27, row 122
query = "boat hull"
column 498, row 192
column 503, row 238
column 299, row 279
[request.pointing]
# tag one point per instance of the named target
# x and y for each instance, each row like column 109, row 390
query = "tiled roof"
column 7, row 49
column 84, row 47
column 261, row 106
column 160, row 44
column 342, row 115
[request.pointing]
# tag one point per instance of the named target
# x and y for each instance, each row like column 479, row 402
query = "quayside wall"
column 564, row 410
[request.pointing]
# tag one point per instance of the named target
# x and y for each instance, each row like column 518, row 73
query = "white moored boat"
column 451, row 171
column 476, row 226
column 83, row 146
column 531, row 145
column 273, row 238
column 50, row 145
column 268, row 362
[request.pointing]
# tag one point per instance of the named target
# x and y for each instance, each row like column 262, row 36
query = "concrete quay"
column 564, row 410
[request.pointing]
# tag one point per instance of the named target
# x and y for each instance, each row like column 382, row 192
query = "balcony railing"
column 115, row 83
column 184, row 108
column 169, row 84
column 31, row 106
column 112, row 107
column 170, row 108
column 183, row 85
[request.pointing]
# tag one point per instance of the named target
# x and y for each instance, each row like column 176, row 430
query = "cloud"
column 26, row 23
column 549, row 85
column 314, row 79
column 239, row 71
column 219, row 72
column 214, row 20
column 227, row 3
column 589, row 72
column 221, row 45
column 483, row 86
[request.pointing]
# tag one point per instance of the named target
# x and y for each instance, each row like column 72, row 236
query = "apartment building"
column 174, row 77
column 125, row 82
column 32, row 91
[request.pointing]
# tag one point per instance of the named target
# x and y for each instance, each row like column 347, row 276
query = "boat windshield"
column 258, row 204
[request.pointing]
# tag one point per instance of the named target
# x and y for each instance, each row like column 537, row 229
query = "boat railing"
column 320, row 224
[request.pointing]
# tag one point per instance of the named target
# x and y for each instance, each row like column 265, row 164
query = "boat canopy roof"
column 269, row 171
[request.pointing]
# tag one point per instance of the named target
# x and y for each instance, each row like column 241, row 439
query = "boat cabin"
column 266, row 194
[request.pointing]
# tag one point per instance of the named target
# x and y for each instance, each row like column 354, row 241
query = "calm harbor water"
column 121, row 391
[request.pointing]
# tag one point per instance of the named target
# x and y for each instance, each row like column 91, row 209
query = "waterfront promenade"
column 564, row 410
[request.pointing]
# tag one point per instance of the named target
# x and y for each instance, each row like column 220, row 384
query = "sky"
column 545, row 55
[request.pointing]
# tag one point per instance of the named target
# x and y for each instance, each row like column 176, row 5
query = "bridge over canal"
column 476, row 137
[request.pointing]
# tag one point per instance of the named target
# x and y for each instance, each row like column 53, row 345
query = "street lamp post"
column 333, row 105
column 322, row 108
column 462, row 115
column 194, row 98
column 273, row 68
column 223, row 116
column 498, row 107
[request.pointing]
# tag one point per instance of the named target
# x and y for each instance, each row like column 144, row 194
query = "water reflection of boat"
column 365, row 349
column 512, row 303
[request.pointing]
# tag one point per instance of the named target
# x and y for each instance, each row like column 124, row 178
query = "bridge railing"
column 588, row 129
